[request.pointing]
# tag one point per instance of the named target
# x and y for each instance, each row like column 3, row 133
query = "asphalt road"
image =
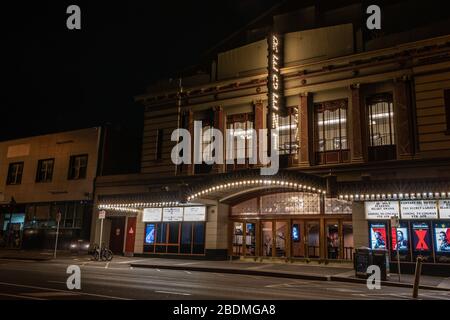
column 29, row 280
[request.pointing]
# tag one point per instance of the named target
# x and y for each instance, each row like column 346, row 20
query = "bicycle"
column 104, row 255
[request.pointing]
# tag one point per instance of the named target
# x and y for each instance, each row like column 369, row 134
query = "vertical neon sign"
column 275, row 83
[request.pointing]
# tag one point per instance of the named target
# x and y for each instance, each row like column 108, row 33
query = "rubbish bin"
column 362, row 260
column 380, row 258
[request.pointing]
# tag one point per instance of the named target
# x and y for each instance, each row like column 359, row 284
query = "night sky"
column 55, row 79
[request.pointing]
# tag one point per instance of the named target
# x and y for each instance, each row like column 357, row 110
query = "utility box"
column 365, row 257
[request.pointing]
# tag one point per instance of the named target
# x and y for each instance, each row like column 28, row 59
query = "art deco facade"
column 363, row 136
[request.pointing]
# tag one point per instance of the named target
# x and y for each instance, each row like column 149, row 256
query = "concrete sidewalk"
column 296, row 270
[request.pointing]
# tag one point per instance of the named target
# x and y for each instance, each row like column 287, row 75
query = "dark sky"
column 55, row 79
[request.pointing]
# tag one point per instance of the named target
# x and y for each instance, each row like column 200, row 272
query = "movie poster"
column 442, row 237
column 295, row 233
column 421, row 236
column 399, row 238
column 150, row 234
column 378, row 238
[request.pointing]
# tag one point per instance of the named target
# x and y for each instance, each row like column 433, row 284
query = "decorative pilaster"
column 219, row 124
column 355, row 136
column 305, row 128
column 402, row 115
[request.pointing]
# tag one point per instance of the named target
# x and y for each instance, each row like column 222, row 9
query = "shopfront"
column 423, row 228
column 174, row 230
column 291, row 225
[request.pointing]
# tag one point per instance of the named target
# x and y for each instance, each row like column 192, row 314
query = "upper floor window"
column 447, row 108
column 45, row 170
column 331, row 125
column 15, row 172
column 242, row 126
column 380, row 109
column 288, row 132
column 78, row 167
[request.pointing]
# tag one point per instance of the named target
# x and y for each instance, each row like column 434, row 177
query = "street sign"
column 102, row 214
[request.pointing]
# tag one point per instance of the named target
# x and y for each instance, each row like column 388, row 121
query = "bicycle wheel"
column 109, row 255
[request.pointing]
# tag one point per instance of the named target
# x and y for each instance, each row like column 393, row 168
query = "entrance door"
column 250, row 239
column 333, row 240
column 117, row 235
column 313, row 239
column 238, row 233
column 266, row 238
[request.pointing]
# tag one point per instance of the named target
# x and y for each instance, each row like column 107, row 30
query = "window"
column 331, row 125
column 175, row 238
column 242, row 126
column 45, row 170
column 159, row 141
column 381, row 120
column 15, row 171
column 78, row 167
column 447, row 108
column 289, row 135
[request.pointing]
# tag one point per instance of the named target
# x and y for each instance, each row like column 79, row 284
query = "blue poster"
column 150, row 234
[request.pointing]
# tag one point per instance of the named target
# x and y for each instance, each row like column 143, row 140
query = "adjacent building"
column 362, row 124
column 43, row 176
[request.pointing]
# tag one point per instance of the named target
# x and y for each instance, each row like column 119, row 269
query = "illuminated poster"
column 295, row 233
column 399, row 238
column 421, row 236
column 150, row 234
column 442, row 237
column 378, row 236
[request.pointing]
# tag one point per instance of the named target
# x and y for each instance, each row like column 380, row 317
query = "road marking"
column 177, row 293
column 188, row 272
column 107, row 265
column 19, row 297
column 158, row 270
column 187, row 263
column 130, row 261
column 57, row 290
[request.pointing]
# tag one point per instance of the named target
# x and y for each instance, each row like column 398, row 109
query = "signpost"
column 58, row 220
column 395, row 223
column 101, row 216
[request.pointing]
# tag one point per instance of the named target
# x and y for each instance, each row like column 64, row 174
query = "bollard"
column 417, row 276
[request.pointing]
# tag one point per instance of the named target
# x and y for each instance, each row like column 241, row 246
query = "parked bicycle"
column 104, row 255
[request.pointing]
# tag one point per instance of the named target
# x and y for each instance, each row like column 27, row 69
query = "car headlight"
column 72, row 246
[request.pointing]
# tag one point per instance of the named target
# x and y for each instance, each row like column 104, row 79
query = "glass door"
column 333, row 240
column 250, row 239
column 238, row 231
column 347, row 230
column 298, row 239
column 313, row 239
column 266, row 238
column 281, row 234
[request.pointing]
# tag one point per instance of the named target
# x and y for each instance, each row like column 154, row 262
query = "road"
column 28, row 280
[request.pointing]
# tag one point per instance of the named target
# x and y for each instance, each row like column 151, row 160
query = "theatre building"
column 361, row 123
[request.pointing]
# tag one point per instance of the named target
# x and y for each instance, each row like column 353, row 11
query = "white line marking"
column 177, row 293
column 107, row 265
column 130, row 261
column 57, row 290
column 187, row 263
column 19, row 297
column 188, row 272
column 158, row 270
